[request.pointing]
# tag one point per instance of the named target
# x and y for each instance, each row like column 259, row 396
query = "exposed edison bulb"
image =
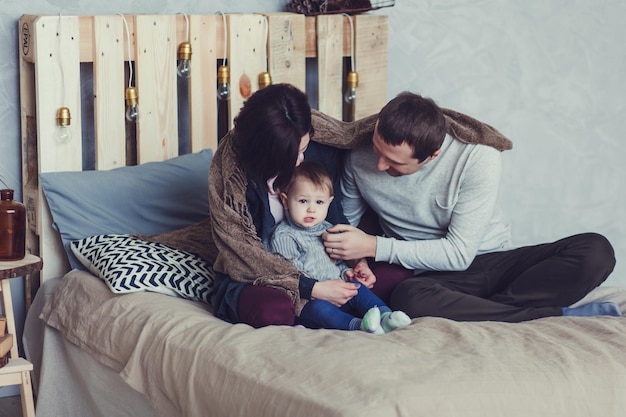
column 184, row 60
column 265, row 79
column 132, row 111
column 184, row 68
column 350, row 95
column 352, row 82
column 223, row 91
column 223, row 87
column 63, row 134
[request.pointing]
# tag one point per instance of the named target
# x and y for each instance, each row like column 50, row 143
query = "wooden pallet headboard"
column 57, row 51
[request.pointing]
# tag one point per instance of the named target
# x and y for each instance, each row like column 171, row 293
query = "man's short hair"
column 415, row 120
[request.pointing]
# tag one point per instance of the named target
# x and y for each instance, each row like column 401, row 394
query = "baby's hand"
column 348, row 275
column 364, row 274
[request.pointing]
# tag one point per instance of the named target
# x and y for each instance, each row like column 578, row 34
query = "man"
column 436, row 201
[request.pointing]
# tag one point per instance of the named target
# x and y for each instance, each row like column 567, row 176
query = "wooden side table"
column 17, row 371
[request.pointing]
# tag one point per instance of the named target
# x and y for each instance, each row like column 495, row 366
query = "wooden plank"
column 30, row 169
column 157, row 125
column 26, row 27
column 57, row 75
column 109, row 85
column 7, row 308
column 57, row 84
column 330, row 64
column 86, row 51
column 246, row 57
column 15, row 367
column 286, row 49
column 310, row 24
column 371, row 63
column 310, row 28
column 202, row 84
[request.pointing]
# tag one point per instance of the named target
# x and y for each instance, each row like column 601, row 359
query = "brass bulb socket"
column 222, row 74
column 184, row 51
column 131, row 96
column 265, row 79
column 64, row 116
column 352, row 81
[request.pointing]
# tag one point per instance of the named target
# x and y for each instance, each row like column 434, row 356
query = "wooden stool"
column 17, row 371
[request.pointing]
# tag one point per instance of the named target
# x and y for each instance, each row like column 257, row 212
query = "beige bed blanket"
column 188, row 363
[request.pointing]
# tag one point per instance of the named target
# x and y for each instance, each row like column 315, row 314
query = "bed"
column 119, row 325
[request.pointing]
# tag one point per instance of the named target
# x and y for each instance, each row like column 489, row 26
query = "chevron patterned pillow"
column 128, row 264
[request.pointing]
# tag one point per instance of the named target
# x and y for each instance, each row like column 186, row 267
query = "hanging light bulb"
column 184, row 57
column 130, row 94
column 132, row 112
column 223, row 76
column 63, row 134
column 265, row 79
column 352, row 82
column 223, row 86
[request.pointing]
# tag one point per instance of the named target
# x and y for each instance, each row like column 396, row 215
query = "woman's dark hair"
column 268, row 131
column 413, row 119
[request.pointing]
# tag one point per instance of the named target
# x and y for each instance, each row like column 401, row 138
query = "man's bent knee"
column 416, row 297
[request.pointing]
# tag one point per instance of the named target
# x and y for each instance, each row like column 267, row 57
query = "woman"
column 273, row 132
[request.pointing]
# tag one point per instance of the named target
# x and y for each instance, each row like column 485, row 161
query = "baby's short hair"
column 313, row 172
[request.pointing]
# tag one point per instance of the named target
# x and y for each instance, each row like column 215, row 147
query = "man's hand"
column 335, row 291
column 346, row 242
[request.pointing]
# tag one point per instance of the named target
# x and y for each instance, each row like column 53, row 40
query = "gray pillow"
column 146, row 199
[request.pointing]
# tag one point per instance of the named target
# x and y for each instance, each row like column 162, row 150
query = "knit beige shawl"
column 228, row 238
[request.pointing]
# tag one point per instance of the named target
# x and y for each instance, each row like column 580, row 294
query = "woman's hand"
column 335, row 291
column 346, row 242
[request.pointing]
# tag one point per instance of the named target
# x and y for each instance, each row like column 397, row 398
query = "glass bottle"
column 12, row 227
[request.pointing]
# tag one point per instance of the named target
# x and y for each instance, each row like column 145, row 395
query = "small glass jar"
column 12, row 227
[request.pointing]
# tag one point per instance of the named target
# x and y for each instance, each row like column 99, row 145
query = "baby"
column 298, row 238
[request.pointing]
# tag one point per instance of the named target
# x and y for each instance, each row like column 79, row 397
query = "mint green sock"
column 394, row 320
column 371, row 322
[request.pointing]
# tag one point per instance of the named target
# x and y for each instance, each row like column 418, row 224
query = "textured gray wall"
column 550, row 74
